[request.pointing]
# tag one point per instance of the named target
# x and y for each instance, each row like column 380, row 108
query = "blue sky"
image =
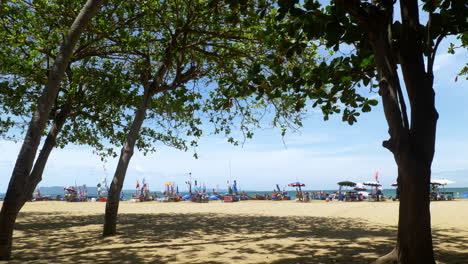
column 320, row 155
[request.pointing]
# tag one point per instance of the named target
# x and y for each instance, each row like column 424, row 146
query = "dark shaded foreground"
column 211, row 238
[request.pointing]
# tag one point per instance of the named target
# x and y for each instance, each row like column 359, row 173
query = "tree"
column 179, row 43
column 93, row 100
column 16, row 194
column 96, row 92
column 381, row 45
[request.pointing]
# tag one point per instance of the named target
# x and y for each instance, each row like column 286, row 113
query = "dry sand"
column 280, row 232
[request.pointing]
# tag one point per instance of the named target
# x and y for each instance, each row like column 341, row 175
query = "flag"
column 138, row 185
column 377, row 176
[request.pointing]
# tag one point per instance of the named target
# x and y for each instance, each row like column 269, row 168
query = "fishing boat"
column 142, row 193
column 280, row 195
column 75, row 193
column 171, row 193
column 102, row 190
column 232, row 194
column 38, row 197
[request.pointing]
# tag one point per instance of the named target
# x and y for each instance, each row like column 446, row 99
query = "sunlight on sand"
column 282, row 232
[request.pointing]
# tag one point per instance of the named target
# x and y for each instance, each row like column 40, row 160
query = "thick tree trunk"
column 414, row 242
column 17, row 193
column 413, row 155
column 412, row 144
column 414, row 239
column 112, row 204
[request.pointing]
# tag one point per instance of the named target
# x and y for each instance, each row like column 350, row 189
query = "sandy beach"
column 280, row 232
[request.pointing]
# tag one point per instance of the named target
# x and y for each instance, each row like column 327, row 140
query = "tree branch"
column 431, row 58
column 356, row 10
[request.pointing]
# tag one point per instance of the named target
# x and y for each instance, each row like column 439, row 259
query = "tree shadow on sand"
column 212, row 238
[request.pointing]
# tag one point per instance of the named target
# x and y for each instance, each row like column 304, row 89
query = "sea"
column 458, row 193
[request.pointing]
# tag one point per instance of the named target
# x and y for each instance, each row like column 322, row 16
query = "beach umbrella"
column 347, row 183
column 360, row 187
column 441, row 182
column 70, row 189
column 297, row 184
column 375, row 184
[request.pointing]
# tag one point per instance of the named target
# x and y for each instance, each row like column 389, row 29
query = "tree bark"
column 49, row 144
column 17, row 192
column 112, row 203
column 414, row 241
column 411, row 144
column 414, row 238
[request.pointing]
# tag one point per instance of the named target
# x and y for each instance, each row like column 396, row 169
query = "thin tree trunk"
column 36, row 174
column 112, row 203
column 17, row 194
column 49, row 144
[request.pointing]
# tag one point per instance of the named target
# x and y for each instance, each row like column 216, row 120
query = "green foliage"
column 291, row 76
column 333, row 84
column 34, row 32
column 131, row 45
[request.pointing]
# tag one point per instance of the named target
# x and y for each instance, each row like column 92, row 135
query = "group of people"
column 320, row 195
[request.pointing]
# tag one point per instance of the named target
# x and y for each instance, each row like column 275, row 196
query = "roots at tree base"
column 390, row 258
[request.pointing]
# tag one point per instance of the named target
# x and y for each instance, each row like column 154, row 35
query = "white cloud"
column 138, row 168
column 442, row 61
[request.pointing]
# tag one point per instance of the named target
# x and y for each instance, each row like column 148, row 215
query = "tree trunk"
column 414, row 242
column 112, row 203
column 414, row 238
column 51, row 141
column 17, row 194
column 411, row 144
